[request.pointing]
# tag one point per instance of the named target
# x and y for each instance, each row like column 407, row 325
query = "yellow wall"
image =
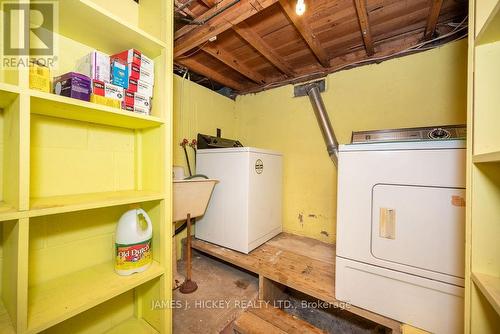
column 199, row 110
column 419, row 90
column 424, row 89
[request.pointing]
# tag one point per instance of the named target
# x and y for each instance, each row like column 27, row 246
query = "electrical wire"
column 194, row 52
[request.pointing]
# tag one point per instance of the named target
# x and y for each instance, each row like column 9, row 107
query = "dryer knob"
column 439, row 133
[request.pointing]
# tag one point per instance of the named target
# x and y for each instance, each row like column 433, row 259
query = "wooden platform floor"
column 271, row 320
column 303, row 264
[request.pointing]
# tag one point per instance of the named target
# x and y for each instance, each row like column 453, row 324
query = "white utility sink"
column 191, row 197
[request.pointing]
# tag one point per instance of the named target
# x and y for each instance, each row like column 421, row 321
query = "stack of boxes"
column 139, row 71
column 123, row 80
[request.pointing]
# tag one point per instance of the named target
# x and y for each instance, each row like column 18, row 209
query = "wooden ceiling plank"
column 210, row 73
column 233, row 15
column 186, row 29
column 208, row 3
column 306, row 32
column 364, row 25
column 231, row 61
column 186, row 10
column 432, row 19
column 252, row 38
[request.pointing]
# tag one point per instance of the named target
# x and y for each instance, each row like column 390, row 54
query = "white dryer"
column 400, row 231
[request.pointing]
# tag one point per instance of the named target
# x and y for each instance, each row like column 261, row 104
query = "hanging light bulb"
column 300, row 7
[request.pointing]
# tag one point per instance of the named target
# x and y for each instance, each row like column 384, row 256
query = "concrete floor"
column 223, row 293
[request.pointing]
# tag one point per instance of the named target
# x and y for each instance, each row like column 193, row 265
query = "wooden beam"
column 184, row 30
column 432, row 19
column 202, row 69
column 245, row 32
column 364, row 25
column 231, row 61
column 208, row 3
column 385, row 48
column 185, row 10
column 306, row 32
column 235, row 13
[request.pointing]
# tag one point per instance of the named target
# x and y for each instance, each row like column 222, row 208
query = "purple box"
column 74, row 85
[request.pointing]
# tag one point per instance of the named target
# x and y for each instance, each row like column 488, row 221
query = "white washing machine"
column 245, row 209
column 400, row 231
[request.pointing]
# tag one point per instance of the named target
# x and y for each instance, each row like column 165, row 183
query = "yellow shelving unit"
column 482, row 300
column 70, row 168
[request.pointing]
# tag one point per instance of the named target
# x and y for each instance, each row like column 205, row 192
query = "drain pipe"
column 332, row 145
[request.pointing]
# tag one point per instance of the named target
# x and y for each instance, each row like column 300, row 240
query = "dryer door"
column 421, row 227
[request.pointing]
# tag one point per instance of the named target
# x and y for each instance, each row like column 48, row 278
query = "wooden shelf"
column 133, row 325
column 87, row 23
column 486, row 157
column 60, row 299
column 490, row 287
column 490, row 32
column 8, row 93
column 5, row 322
column 7, row 212
column 61, row 204
column 64, row 107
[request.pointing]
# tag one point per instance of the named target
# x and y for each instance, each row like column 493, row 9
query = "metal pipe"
column 332, row 145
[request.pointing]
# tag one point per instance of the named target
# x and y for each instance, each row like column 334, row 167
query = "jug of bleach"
column 134, row 234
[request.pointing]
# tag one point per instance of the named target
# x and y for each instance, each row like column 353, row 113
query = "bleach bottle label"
column 133, row 256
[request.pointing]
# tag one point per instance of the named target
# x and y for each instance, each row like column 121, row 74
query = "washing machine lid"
column 406, row 145
column 237, row 150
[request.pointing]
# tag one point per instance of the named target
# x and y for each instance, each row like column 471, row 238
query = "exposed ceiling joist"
column 208, row 3
column 364, row 25
column 245, row 32
column 208, row 72
column 306, row 32
column 234, row 14
column 231, row 61
column 182, row 8
column 203, row 17
column 432, row 19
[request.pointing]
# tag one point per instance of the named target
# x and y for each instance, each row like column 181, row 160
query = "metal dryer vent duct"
column 314, row 93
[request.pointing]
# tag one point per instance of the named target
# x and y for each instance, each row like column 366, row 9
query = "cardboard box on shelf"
column 141, row 73
column 114, row 103
column 95, row 65
column 140, row 87
column 74, row 85
column 114, row 92
column 107, row 90
column 133, row 56
column 97, row 87
column 132, row 84
column 119, row 73
column 144, row 88
column 39, row 77
column 137, row 109
column 136, row 99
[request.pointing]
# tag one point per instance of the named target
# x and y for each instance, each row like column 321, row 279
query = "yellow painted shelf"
column 8, row 93
column 490, row 32
column 486, row 157
column 100, row 29
column 7, row 212
column 133, row 325
column 61, row 204
column 490, row 287
column 5, row 322
column 60, row 299
column 64, row 107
